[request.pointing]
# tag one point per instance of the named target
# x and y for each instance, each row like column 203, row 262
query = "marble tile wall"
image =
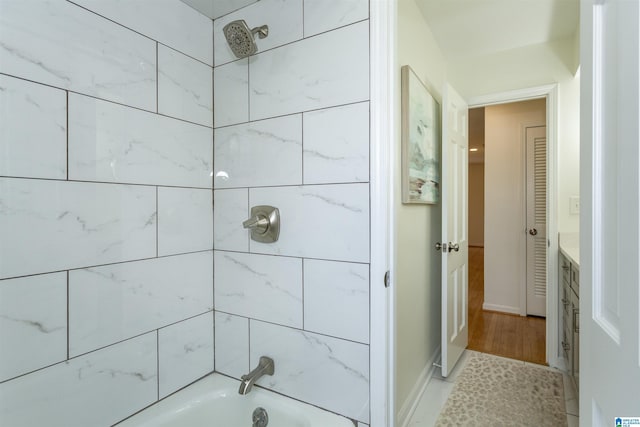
column 106, row 207
column 291, row 129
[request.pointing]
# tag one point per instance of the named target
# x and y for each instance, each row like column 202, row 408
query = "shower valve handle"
column 264, row 224
column 259, row 223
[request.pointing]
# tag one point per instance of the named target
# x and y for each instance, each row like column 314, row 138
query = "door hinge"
column 387, row 279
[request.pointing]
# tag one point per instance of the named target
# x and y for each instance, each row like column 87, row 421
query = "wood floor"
column 515, row 337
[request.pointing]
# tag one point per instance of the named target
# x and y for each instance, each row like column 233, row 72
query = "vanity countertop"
column 569, row 244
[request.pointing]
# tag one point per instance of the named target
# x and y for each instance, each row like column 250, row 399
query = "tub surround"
column 108, row 180
column 292, row 131
column 106, row 255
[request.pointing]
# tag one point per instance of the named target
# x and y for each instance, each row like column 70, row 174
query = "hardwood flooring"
column 506, row 335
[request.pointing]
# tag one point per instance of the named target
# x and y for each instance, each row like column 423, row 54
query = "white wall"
column 528, row 67
column 106, row 261
column 417, row 273
column 504, row 201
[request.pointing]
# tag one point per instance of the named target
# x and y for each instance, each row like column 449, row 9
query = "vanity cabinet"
column 569, row 278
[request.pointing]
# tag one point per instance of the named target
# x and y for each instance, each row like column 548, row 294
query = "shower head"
column 241, row 38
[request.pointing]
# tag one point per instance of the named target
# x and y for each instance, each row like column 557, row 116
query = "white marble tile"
column 185, row 87
column 258, row 286
column 33, row 323
column 336, row 299
column 318, row 221
column 185, row 220
column 170, row 22
column 258, row 154
column 283, row 17
column 113, row 143
column 338, row 370
column 231, row 93
column 56, row 225
column 325, row 15
column 431, row 403
column 33, row 130
column 114, row 302
column 232, row 345
column 322, row 71
column 66, row 46
column 336, row 144
column 98, row 389
column 185, row 352
column 231, row 208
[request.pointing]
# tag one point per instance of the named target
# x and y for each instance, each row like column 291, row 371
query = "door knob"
column 533, row 231
column 441, row 247
column 454, row 247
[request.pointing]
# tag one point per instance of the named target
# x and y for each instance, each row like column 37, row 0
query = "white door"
column 455, row 276
column 536, row 149
column 610, row 215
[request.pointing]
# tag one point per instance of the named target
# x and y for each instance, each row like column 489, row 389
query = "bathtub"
column 214, row 402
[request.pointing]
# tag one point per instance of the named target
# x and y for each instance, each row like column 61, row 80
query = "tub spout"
column 265, row 367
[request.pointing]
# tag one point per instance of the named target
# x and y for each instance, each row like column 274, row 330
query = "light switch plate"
column 574, row 205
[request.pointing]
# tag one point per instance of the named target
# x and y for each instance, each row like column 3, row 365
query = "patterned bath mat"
column 493, row 391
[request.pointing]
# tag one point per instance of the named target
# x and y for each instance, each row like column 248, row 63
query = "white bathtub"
column 214, row 402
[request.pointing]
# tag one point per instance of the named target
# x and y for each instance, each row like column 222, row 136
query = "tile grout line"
column 67, row 93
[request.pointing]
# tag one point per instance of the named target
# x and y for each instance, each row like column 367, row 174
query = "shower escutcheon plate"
column 264, row 224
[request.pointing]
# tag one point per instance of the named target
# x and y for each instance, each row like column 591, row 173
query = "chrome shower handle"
column 260, row 223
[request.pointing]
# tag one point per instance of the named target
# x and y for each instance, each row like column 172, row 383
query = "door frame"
column 550, row 93
column 383, row 109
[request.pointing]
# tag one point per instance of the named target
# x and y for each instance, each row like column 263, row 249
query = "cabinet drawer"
column 565, row 301
column 575, row 280
column 565, row 269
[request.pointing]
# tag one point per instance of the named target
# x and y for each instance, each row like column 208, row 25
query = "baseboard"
column 501, row 308
column 411, row 403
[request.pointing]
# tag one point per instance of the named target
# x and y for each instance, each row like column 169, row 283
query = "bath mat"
column 493, row 391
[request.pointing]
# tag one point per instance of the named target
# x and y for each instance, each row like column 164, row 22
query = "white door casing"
column 454, row 199
column 610, row 213
column 536, row 221
column 550, row 92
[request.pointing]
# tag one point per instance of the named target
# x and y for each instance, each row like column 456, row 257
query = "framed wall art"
column 420, row 141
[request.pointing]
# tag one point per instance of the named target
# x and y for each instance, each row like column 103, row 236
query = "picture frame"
column 421, row 141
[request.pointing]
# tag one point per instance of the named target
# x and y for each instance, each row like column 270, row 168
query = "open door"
column 610, row 214
column 455, row 245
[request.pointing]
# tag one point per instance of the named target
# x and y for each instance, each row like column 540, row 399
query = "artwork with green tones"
column 420, row 141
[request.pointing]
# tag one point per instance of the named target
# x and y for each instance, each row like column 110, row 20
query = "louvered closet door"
column 536, row 141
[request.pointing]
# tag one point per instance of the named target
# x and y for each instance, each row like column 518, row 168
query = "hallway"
column 506, row 335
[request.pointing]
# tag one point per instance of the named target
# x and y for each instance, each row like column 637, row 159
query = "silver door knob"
column 533, row 231
column 454, row 247
column 441, row 247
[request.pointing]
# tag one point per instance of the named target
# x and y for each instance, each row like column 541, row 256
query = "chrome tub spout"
column 265, row 367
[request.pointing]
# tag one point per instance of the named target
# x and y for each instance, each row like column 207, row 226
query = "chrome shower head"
column 241, row 39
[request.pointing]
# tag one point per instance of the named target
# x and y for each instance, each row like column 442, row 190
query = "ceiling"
column 216, row 8
column 466, row 28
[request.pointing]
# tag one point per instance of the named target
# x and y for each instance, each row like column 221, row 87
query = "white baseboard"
column 502, row 308
column 411, row 403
